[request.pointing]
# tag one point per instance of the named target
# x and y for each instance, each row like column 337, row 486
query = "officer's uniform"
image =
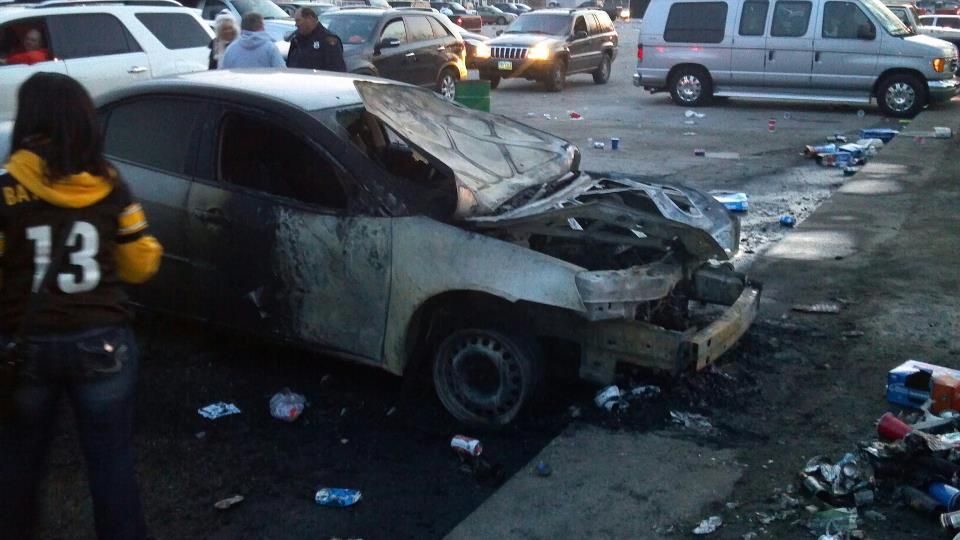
column 318, row 50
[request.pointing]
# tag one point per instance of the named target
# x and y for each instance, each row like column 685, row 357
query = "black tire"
column 484, row 377
column 557, row 76
column 602, row 74
column 447, row 84
column 901, row 95
column 501, row 21
column 691, row 87
column 493, row 80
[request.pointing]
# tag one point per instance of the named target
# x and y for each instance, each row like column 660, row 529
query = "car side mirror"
column 388, row 43
column 499, row 32
column 580, row 35
column 867, row 33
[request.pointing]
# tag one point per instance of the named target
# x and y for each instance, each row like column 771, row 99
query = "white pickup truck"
column 924, row 24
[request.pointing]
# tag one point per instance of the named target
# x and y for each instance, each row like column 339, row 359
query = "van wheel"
column 447, row 84
column 691, row 87
column 484, row 377
column 902, row 96
column 557, row 76
column 602, row 74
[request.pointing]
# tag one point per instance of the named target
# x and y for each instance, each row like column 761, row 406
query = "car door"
column 269, row 218
column 393, row 62
column 580, row 54
column 749, row 51
column 597, row 38
column 789, row 62
column 12, row 75
column 159, row 172
column 846, row 49
column 98, row 51
column 424, row 67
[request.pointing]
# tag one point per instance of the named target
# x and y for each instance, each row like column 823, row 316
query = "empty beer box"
column 909, row 384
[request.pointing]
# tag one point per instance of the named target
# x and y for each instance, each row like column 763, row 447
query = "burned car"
column 377, row 222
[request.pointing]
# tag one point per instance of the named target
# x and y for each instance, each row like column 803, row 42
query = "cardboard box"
column 910, row 383
column 945, row 393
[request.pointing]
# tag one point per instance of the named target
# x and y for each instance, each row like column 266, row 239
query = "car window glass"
column 580, row 25
column 351, row 29
column 261, row 155
column 212, row 8
column 790, row 19
column 17, row 37
column 175, row 30
column 418, row 29
column 696, row 22
column 593, row 25
column 172, row 123
column 605, row 23
column 753, row 18
column 94, row 34
column 395, row 30
column 844, row 20
column 949, row 23
column 438, row 30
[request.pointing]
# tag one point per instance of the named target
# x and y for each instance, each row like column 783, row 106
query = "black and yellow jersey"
column 102, row 233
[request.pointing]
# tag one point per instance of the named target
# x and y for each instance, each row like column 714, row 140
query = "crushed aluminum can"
column 574, row 115
column 699, row 152
column 788, row 221
column 950, row 520
column 337, row 497
column 709, row 525
column 225, row 504
column 466, row 446
column 287, row 405
column 645, row 391
column 608, row 397
column 599, row 145
column 732, row 200
column 817, row 308
column 218, row 410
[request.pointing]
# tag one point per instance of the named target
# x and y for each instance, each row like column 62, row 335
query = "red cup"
column 892, row 428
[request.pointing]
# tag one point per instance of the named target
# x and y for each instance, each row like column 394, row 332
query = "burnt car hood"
column 491, row 157
column 513, row 177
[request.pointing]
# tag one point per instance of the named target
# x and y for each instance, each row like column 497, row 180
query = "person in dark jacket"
column 71, row 234
column 312, row 46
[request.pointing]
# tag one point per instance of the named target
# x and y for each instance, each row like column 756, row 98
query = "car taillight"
column 459, row 21
column 639, row 52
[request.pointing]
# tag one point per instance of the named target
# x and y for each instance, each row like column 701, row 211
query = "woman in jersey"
column 72, row 234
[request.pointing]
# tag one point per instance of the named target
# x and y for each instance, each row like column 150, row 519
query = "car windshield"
column 455, row 6
column 890, row 22
column 268, row 9
column 351, row 28
column 556, row 25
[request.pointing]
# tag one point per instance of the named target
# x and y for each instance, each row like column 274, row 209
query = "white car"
column 104, row 45
column 276, row 21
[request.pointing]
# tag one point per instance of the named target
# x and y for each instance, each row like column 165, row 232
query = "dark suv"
column 419, row 47
column 548, row 45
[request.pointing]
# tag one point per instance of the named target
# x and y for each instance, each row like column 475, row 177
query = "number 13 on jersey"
column 84, row 243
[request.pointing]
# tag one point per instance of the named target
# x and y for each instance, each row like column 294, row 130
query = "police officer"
column 312, row 47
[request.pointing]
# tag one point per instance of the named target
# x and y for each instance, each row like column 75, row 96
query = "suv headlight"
column 482, row 51
column 539, row 52
column 624, row 13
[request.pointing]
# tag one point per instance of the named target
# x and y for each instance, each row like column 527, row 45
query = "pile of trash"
column 915, row 459
column 850, row 156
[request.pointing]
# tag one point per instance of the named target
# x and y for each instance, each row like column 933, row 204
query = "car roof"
column 301, row 88
column 38, row 10
column 560, row 11
column 360, row 10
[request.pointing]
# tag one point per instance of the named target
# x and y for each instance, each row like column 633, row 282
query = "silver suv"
column 823, row 50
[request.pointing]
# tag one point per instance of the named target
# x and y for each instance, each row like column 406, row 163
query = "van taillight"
column 459, row 21
column 639, row 52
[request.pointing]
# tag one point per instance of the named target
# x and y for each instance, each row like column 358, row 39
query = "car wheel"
column 902, row 96
column 447, row 85
column 602, row 74
column 691, row 87
column 493, row 80
column 501, row 21
column 556, row 77
column 484, row 377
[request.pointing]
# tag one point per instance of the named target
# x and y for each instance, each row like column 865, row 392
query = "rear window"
column 175, row 30
column 696, row 22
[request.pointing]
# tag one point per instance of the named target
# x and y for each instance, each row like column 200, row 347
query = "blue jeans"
column 97, row 370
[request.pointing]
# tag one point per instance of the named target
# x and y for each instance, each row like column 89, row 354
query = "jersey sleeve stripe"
column 132, row 220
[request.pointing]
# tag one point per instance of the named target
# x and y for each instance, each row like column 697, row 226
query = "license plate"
column 505, row 65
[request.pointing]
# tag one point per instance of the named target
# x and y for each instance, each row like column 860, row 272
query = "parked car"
column 510, row 8
column 459, row 15
column 614, row 8
column 472, row 42
column 911, row 18
column 493, row 15
column 548, row 45
column 103, row 45
column 320, row 8
column 833, row 51
column 941, row 21
column 409, row 3
column 415, row 46
column 276, row 21
column 390, row 227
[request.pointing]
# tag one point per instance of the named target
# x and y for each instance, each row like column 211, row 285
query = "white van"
column 848, row 51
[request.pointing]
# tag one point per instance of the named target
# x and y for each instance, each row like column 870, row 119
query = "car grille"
column 509, row 53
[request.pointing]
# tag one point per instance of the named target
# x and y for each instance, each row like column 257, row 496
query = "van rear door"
column 789, row 61
column 846, row 48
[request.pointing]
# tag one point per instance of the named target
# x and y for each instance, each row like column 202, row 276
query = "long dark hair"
column 56, row 120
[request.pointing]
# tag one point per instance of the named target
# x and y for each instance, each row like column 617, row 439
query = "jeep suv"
column 548, row 45
column 103, row 45
column 420, row 47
